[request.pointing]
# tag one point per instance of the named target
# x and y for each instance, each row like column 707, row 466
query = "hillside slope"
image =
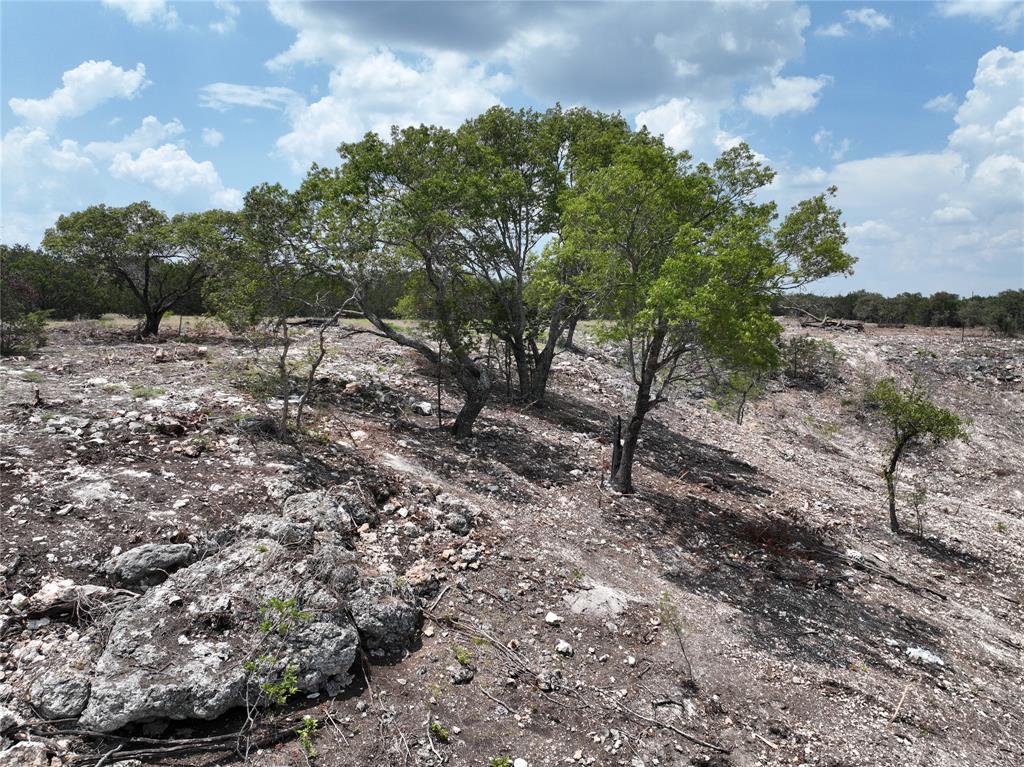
column 749, row 597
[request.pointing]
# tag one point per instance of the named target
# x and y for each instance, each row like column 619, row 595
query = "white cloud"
column 873, row 231
column 212, row 137
column 1006, row 14
column 944, row 103
column 39, row 174
column 150, row 133
column 808, row 177
column 991, row 118
column 869, row 18
column 953, row 217
column 832, row 30
column 374, row 93
column 146, row 11
column 865, row 17
column 223, row 96
column 952, row 214
column 172, row 170
column 678, row 120
column 786, row 94
column 84, row 88
column 228, row 23
column 826, row 142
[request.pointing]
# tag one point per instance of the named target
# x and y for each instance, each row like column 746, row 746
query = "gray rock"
column 461, row 674
column 8, row 719
column 25, row 754
column 335, row 510
column 276, row 529
column 183, row 658
column 423, row 408
column 457, row 522
column 597, row 600
column 60, row 695
column 148, row 564
column 387, row 616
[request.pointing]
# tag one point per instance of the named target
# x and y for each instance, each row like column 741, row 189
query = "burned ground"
column 756, row 555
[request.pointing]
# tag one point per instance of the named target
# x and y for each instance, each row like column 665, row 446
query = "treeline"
column 1002, row 314
column 509, row 230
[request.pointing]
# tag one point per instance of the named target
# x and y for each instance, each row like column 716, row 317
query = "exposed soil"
column 757, row 555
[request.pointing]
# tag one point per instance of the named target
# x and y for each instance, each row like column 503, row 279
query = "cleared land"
column 757, row 555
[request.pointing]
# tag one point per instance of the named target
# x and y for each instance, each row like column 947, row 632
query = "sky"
column 915, row 111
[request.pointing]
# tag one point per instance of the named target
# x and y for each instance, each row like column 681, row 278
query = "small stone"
column 631, row 661
column 563, row 647
column 552, row 618
column 423, row 408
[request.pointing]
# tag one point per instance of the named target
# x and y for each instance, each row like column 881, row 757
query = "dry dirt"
column 757, row 555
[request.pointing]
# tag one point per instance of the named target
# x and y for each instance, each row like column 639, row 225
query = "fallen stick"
column 899, row 705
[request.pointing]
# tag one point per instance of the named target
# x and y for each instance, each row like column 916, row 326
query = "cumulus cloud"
column 785, row 95
column 868, row 17
column 40, row 172
column 83, row 88
column 212, row 137
column 172, row 170
column 832, row 30
column 229, row 21
column 443, row 62
column 678, row 120
column 938, row 217
column 150, row 133
column 380, row 91
column 146, row 11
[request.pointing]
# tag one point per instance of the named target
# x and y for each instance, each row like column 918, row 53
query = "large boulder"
column 179, row 652
column 148, row 564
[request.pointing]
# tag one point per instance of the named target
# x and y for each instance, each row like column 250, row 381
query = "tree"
column 154, row 258
column 256, row 281
column 392, row 208
column 913, row 420
column 686, row 266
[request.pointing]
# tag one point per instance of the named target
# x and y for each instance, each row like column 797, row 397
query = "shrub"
column 22, row 333
column 808, row 361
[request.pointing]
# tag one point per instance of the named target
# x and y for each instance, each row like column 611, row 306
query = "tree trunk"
column 571, row 331
column 616, row 446
column 477, row 386
column 522, row 367
column 151, row 324
column 285, row 384
column 622, row 479
column 890, row 484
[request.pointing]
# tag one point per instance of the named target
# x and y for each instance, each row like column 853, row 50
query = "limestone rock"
column 148, row 564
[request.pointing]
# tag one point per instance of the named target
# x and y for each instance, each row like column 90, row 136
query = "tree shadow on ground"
column 800, row 600
column 945, row 553
column 662, row 450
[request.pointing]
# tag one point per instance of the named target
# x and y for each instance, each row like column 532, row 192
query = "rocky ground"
column 168, row 569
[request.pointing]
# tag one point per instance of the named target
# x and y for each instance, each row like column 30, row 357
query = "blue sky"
column 915, row 110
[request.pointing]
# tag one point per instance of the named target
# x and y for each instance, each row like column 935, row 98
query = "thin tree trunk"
column 282, row 365
column 571, row 332
column 616, row 446
column 890, row 485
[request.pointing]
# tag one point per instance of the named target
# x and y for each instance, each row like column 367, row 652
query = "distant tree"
column 156, row 259
column 912, row 420
column 686, row 266
column 257, row 281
